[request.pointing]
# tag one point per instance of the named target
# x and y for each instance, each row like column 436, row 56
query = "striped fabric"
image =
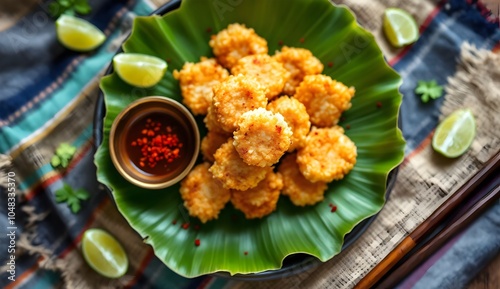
column 48, row 95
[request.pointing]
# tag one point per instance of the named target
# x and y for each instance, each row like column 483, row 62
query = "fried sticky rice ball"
column 299, row 62
column 235, row 42
column 325, row 99
column 233, row 172
column 235, row 96
column 327, row 155
column 262, row 137
column 296, row 117
column 301, row 191
column 269, row 73
column 203, row 196
column 211, row 122
column 211, row 142
column 261, row 200
column 196, row 82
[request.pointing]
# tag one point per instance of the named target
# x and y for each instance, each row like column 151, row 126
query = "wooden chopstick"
column 440, row 239
column 429, row 225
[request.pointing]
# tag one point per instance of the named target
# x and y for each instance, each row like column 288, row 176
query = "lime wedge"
column 400, row 27
column 139, row 70
column 78, row 34
column 104, row 254
column 455, row 134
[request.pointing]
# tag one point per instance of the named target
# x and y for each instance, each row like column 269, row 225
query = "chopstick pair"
column 431, row 224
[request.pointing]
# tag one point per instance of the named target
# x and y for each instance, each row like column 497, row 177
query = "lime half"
column 400, row 27
column 104, row 254
column 139, row 70
column 455, row 134
column 78, row 34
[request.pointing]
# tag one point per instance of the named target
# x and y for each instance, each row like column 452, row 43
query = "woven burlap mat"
column 425, row 180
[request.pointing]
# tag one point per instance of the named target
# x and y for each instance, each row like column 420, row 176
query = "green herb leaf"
column 55, row 161
column 59, row 7
column 429, row 90
column 82, row 7
column 64, row 153
column 71, row 197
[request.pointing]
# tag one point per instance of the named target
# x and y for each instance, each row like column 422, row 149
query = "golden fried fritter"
column 261, row 200
column 203, row 196
column 262, row 137
column 235, row 96
column 211, row 142
column 325, row 99
column 211, row 122
column 327, row 155
column 269, row 73
column 301, row 191
column 197, row 80
column 235, row 42
column 233, row 172
column 296, row 117
column 299, row 62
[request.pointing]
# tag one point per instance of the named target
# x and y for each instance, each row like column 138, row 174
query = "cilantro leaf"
column 71, row 197
column 428, row 90
column 63, row 155
column 59, row 7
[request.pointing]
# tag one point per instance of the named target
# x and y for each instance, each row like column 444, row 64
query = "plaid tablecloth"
column 48, row 95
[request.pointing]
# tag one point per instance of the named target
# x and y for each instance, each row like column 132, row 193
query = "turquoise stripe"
column 83, row 74
column 47, row 168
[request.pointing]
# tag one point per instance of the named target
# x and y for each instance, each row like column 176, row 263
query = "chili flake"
column 185, row 226
column 174, row 222
column 280, row 43
column 347, row 126
column 196, row 227
column 246, row 253
column 301, row 40
column 334, row 209
column 197, row 242
column 330, row 64
column 157, row 145
column 379, row 104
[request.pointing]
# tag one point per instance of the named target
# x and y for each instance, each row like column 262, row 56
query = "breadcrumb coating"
column 325, row 99
column 236, row 42
column 269, row 73
column 235, row 96
column 196, row 82
column 299, row 62
column 261, row 200
column 233, row 172
column 211, row 122
column 296, row 117
column 211, row 142
column 262, row 137
column 301, row 191
column 328, row 155
column 204, row 197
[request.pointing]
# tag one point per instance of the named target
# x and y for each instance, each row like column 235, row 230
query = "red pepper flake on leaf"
column 209, row 30
column 197, row 242
column 174, row 222
column 185, row 226
column 347, row 126
column 280, row 43
column 379, row 104
column 245, row 253
column 301, row 40
column 196, row 227
column 330, row 64
column 334, row 209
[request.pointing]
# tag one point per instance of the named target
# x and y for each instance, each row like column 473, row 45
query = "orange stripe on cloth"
column 425, row 143
column 52, row 177
column 30, row 272
column 422, row 28
column 141, row 268
column 87, row 225
column 23, row 277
